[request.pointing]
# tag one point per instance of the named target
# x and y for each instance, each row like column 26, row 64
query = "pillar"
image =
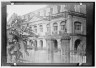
column 38, row 43
column 59, row 43
column 38, row 28
column 44, row 43
column 51, row 26
column 58, row 26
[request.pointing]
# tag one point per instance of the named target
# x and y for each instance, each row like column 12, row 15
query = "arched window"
column 48, row 27
column 77, row 25
column 55, row 26
column 63, row 25
column 41, row 28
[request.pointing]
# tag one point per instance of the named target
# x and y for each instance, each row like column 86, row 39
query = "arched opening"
column 55, row 44
column 35, row 43
column 77, row 42
column 41, row 43
column 63, row 25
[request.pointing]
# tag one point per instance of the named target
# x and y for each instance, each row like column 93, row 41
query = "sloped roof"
column 35, row 18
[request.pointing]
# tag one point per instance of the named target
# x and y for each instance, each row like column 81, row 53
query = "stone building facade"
column 62, row 27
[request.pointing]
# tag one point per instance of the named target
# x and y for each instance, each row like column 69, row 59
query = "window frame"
column 55, row 26
column 35, row 28
column 77, row 25
column 63, row 25
column 48, row 27
column 41, row 28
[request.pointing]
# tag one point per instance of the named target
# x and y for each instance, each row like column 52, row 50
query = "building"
column 62, row 27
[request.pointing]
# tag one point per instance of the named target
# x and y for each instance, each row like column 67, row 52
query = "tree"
column 16, row 31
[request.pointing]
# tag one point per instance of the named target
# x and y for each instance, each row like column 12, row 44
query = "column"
column 59, row 43
column 37, row 28
column 38, row 43
column 51, row 26
column 44, row 44
column 58, row 26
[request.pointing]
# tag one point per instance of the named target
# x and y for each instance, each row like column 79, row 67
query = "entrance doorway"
column 77, row 42
column 55, row 44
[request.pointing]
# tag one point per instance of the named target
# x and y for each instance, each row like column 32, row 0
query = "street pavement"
column 42, row 56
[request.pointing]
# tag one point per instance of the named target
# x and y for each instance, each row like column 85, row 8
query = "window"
column 48, row 27
column 41, row 28
column 55, row 26
column 51, row 10
column 63, row 25
column 77, row 25
column 35, row 29
column 58, row 8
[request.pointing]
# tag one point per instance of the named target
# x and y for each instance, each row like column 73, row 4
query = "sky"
column 22, row 9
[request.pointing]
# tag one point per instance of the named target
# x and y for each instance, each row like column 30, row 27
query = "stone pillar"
column 44, row 29
column 44, row 43
column 37, row 28
column 69, row 24
column 51, row 26
column 58, row 26
column 72, row 43
column 59, row 43
column 38, row 43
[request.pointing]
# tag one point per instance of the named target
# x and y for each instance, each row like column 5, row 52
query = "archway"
column 77, row 42
column 41, row 43
column 55, row 44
